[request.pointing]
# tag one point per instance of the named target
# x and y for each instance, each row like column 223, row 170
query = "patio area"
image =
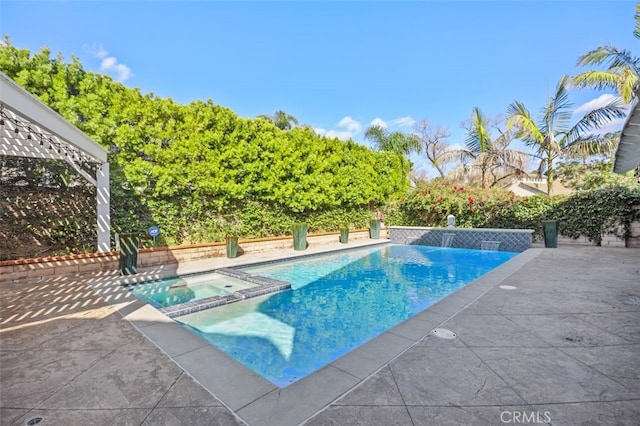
column 562, row 348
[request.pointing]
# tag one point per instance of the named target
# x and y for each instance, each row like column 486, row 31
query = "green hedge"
column 602, row 210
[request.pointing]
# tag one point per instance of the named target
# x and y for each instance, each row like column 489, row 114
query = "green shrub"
column 591, row 213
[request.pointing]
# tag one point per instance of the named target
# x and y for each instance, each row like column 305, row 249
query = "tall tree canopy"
column 553, row 136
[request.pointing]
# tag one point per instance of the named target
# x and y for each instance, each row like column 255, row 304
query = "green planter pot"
column 344, row 235
column 550, row 230
column 232, row 247
column 300, row 236
column 374, row 229
column 129, row 254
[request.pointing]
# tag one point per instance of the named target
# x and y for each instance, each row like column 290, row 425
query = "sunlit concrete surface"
column 562, row 347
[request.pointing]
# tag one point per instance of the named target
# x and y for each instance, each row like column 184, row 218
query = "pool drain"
column 443, row 333
column 34, row 421
column 228, row 286
column 508, row 287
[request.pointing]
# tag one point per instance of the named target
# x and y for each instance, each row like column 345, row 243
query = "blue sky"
column 334, row 65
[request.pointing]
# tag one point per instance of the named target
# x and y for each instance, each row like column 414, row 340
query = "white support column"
column 103, row 208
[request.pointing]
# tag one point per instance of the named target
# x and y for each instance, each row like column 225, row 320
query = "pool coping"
column 255, row 400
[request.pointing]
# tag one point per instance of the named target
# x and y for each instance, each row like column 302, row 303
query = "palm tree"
column 396, row 141
column 622, row 68
column 552, row 135
column 485, row 160
column 281, row 120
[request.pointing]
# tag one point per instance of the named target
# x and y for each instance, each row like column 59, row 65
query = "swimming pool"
column 337, row 302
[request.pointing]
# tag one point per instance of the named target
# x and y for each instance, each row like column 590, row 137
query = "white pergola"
column 29, row 128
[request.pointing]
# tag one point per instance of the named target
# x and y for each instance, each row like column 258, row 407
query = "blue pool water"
column 337, row 302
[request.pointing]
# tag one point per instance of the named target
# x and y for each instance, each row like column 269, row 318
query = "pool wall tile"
column 513, row 240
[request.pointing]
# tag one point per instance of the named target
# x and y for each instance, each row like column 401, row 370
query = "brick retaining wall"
column 27, row 269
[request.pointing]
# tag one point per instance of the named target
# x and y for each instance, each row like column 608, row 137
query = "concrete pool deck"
column 563, row 347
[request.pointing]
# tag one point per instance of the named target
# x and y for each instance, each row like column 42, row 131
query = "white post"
column 103, row 208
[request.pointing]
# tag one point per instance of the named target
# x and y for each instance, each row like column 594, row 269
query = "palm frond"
column 557, row 114
column 595, row 56
column 542, row 167
column 514, row 159
column 627, row 84
column 594, row 120
column 636, row 32
column 610, row 57
column 621, row 73
column 519, row 118
column 596, row 80
column 479, row 138
column 455, row 156
column 590, row 145
column 376, row 134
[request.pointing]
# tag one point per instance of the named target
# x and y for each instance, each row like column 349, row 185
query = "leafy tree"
column 621, row 72
column 554, row 137
column 486, row 160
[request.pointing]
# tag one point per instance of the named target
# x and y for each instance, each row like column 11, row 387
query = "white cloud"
column 378, row 122
column 100, row 52
column 350, row 124
column 397, row 122
column 347, row 128
column 343, row 135
column 598, row 102
column 110, row 64
column 403, row 121
column 611, row 127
